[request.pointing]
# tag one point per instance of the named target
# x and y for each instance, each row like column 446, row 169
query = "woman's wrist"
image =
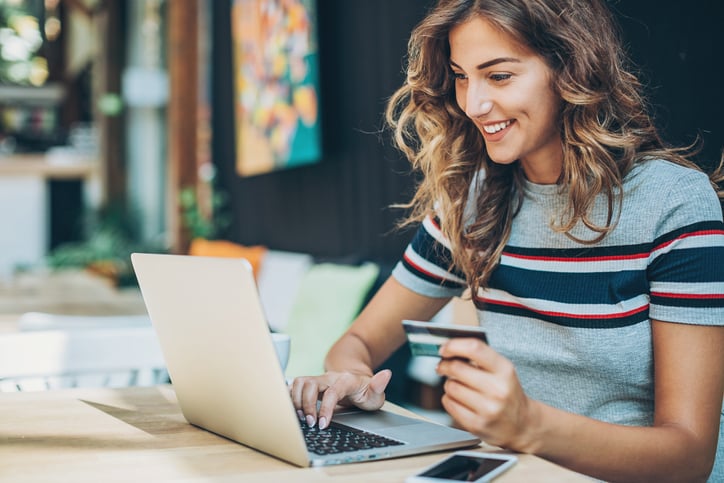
column 356, row 369
column 531, row 437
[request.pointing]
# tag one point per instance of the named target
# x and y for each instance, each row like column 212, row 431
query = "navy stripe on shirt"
column 687, row 300
column 427, row 276
column 583, row 288
column 616, row 252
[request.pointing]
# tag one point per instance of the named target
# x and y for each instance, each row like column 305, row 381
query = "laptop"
column 228, row 380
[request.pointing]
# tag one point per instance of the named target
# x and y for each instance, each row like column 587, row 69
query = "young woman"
column 594, row 252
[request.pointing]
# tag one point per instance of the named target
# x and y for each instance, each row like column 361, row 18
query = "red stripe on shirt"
column 581, row 259
column 687, row 235
column 422, row 270
column 435, row 223
column 564, row 314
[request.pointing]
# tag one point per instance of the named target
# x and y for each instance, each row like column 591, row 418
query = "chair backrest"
column 93, row 357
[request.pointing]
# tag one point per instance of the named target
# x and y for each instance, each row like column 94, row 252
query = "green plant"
column 198, row 224
column 107, row 249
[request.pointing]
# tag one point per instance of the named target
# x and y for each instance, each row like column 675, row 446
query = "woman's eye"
column 500, row 77
column 459, row 76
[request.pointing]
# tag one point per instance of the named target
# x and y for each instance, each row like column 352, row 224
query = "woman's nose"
column 477, row 105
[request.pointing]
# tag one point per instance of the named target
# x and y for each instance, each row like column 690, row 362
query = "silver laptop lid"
column 218, row 350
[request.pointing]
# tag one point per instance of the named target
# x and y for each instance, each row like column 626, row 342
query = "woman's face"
column 505, row 89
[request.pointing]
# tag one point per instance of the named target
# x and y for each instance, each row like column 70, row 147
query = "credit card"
column 425, row 338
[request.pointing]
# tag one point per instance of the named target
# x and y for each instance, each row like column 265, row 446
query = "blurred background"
column 117, row 125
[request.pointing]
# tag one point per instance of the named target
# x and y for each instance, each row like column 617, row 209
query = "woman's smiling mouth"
column 496, row 127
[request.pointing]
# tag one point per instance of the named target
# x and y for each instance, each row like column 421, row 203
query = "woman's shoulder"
column 656, row 171
column 661, row 177
column 672, row 192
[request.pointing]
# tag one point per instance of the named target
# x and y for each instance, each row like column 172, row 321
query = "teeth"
column 493, row 128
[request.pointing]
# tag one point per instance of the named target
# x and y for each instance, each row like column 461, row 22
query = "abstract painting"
column 276, row 84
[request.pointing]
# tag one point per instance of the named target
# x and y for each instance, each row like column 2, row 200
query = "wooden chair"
column 89, row 357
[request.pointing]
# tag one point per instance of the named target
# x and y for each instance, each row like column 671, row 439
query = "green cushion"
column 329, row 298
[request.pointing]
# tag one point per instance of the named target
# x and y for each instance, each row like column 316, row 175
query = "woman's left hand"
column 483, row 394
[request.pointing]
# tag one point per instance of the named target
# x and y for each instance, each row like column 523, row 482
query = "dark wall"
column 679, row 48
column 339, row 208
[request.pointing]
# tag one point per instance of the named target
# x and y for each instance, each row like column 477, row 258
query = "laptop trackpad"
column 373, row 420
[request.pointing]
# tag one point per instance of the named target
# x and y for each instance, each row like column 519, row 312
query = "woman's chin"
column 502, row 160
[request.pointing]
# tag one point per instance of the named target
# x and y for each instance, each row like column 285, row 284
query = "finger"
column 461, row 413
column 296, row 391
column 364, row 392
column 370, row 394
column 296, row 394
column 476, row 398
column 467, row 384
column 497, row 386
column 465, row 417
column 486, row 419
column 333, row 395
column 465, row 372
column 379, row 381
column 474, row 350
column 310, row 396
column 373, row 395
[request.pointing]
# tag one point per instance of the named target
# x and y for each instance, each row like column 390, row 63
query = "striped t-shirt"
column 575, row 318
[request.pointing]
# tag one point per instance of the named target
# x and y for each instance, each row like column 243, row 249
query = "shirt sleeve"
column 426, row 266
column 686, row 263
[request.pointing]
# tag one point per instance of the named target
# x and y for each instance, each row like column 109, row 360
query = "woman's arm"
column 375, row 335
column 680, row 446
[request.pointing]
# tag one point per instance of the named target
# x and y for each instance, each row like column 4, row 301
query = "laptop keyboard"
column 338, row 438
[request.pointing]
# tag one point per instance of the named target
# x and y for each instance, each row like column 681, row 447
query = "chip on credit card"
column 425, row 338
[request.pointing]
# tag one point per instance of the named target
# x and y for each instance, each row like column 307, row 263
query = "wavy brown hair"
column 605, row 125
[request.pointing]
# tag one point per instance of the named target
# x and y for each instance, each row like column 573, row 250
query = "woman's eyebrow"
column 489, row 63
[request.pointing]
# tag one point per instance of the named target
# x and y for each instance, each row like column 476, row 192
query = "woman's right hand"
column 361, row 390
column 374, row 335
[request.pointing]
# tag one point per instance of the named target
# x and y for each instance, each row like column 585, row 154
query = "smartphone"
column 465, row 466
column 425, row 338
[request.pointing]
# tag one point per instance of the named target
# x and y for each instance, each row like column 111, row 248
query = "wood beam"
column 183, row 32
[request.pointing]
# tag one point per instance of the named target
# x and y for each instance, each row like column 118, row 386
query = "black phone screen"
column 463, row 468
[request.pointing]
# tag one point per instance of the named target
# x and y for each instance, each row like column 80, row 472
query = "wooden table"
column 139, row 434
column 64, row 292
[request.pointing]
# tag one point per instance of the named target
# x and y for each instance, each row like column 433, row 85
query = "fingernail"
column 310, row 420
column 322, row 423
column 300, row 414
